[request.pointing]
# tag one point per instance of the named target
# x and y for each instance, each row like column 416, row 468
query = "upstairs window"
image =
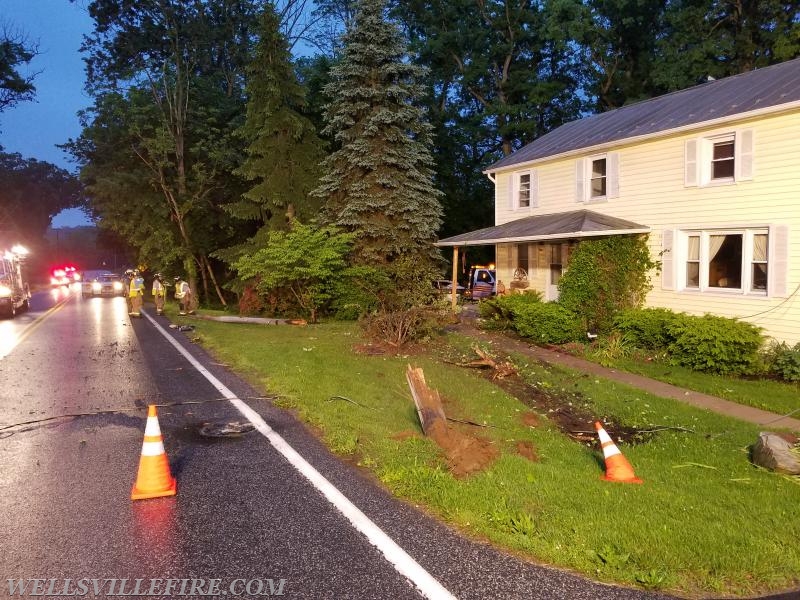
column 524, row 194
column 719, row 159
column 522, row 191
column 722, row 159
column 598, row 178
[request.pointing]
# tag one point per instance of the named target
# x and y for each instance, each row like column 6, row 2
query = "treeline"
column 206, row 134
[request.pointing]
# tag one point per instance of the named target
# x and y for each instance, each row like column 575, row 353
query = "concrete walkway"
column 469, row 327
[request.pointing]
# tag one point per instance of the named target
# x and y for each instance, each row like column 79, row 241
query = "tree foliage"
column 32, row 192
column 167, row 78
column 379, row 183
column 15, row 51
column 284, row 151
column 305, row 260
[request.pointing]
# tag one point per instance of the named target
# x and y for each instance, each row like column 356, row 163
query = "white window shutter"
column 512, row 185
column 690, row 163
column 778, row 266
column 744, row 162
column 667, row 260
column 534, row 189
column 580, row 174
column 612, row 175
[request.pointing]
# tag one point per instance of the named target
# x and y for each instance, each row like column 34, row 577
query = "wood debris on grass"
column 485, row 361
column 465, row 454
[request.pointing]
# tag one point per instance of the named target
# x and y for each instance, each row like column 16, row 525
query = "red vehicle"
column 64, row 275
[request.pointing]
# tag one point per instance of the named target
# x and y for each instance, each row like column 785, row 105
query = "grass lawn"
column 705, row 521
column 775, row 396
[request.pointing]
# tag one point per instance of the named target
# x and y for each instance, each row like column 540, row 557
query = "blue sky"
column 34, row 128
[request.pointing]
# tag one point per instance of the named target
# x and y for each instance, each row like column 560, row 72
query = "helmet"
column 177, row 278
column 128, row 271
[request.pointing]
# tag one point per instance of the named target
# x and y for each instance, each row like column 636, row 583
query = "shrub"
column 714, row 344
column 605, row 276
column 646, row 327
column 784, row 361
column 398, row 327
column 547, row 323
column 499, row 311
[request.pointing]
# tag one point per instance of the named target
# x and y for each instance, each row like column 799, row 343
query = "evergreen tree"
column 379, row 183
column 284, row 151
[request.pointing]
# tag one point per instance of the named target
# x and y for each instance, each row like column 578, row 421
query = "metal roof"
column 566, row 225
column 755, row 90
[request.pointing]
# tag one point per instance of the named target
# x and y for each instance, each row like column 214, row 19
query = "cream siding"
column 653, row 192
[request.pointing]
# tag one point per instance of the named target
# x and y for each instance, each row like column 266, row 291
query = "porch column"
column 454, row 282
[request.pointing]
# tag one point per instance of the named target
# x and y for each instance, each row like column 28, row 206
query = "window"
column 735, row 261
column 556, row 266
column 524, row 196
column 598, row 178
column 722, row 159
column 522, row 257
column 693, row 262
column 719, row 159
column 522, row 188
column 758, row 278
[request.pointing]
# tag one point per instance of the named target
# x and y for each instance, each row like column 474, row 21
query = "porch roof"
column 557, row 226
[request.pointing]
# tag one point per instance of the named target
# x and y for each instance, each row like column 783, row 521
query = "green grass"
column 704, row 522
column 775, row 396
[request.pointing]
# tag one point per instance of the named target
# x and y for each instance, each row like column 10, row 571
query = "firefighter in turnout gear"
column 159, row 293
column 183, row 293
column 136, row 293
column 126, row 285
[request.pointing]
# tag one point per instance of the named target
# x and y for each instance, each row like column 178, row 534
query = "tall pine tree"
column 379, row 184
column 284, row 151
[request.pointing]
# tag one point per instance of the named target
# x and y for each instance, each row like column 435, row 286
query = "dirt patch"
column 569, row 411
column 465, row 454
column 530, row 419
column 527, row 450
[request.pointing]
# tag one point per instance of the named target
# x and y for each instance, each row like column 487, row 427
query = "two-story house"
column 710, row 174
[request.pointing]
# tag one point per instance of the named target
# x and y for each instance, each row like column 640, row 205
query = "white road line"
column 400, row 560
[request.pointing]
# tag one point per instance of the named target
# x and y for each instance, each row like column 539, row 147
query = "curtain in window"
column 760, row 247
column 694, row 247
column 714, row 244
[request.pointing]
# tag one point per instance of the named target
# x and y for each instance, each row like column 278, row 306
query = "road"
column 248, row 509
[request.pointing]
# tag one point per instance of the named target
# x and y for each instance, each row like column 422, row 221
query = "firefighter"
column 126, row 284
column 136, row 293
column 159, row 293
column 183, row 293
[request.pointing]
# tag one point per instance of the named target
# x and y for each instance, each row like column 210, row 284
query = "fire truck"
column 15, row 294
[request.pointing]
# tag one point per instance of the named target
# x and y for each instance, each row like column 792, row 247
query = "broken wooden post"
column 429, row 405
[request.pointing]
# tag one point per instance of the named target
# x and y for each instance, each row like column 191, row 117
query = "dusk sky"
column 34, row 128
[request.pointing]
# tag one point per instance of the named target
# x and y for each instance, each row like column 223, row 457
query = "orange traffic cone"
column 154, row 479
column 617, row 466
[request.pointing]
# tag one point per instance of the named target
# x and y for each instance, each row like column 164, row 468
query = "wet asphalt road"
column 242, row 511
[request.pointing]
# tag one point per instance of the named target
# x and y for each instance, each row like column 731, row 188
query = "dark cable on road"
column 123, row 410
